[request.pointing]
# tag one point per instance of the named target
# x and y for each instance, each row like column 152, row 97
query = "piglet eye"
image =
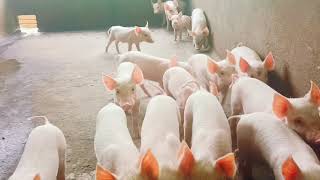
column 117, row 91
column 298, row 121
column 221, row 73
column 132, row 89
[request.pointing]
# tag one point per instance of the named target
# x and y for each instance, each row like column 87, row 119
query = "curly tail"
column 44, row 120
column 108, row 32
column 240, row 44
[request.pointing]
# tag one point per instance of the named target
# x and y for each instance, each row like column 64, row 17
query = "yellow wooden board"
column 27, row 17
column 28, row 26
column 27, row 21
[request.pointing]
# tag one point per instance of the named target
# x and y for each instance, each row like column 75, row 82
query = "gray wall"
column 69, row 15
column 288, row 28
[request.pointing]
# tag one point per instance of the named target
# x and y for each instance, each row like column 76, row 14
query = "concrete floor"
column 59, row 75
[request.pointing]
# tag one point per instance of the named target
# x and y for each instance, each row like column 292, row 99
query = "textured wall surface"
column 288, row 28
column 2, row 18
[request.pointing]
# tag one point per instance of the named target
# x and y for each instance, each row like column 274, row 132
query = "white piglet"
column 200, row 30
column 130, row 35
column 250, row 95
column 43, row 157
column 180, row 23
column 117, row 156
column 172, row 8
column 179, row 84
column 207, row 130
column 262, row 137
column 152, row 67
column 209, row 72
column 160, row 134
column 128, row 77
column 249, row 63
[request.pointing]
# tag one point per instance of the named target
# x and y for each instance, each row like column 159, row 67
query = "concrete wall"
column 2, row 18
column 288, row 28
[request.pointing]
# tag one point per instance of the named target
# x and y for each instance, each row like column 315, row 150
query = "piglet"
column 43, row 156
column 130, row 35
column 262, row 137
column 117, row 156
column 172, row 8
column 207, row 130
column 180, row 23
column 250, row 95
column 207, row 70
column 179, row 84
column 160, row 133
column 128, row 77
column 200, row 30
column 152, row 67
column 250, row 64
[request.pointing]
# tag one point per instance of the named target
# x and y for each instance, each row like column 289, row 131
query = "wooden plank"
column 28, row 26
column 27, row 17
column 27, row 21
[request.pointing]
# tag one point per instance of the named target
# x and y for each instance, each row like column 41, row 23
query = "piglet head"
column 176, row 19
column 301, row 114
column 144, row 33
column 157, row 7
column 259, row 70
column 223, row 72
column 199, row 37
column 125, row 90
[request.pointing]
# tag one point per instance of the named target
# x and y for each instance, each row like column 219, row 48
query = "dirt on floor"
column 59, row 75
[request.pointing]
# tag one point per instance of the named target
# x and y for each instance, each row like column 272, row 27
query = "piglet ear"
column 280, row 106
column 290, row 169
column 166, row 7
column 109, row 82
column 314, row 94
column 173, row 61
column 186, row 159
column 193, row 34
column 244, row 65
column 269, row 62
column 227, row 165
column 137, row 75
column 212, row 66
column 103, row 174
column 147, row 25
column 149, row 166
column 37, row 177
column 205, row 31
column 137, row 30
column 180, row 14
column 230, row 57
